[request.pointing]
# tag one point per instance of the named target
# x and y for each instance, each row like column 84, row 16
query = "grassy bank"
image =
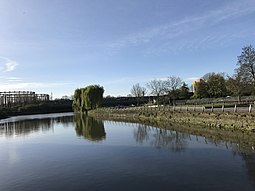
column 227, row 120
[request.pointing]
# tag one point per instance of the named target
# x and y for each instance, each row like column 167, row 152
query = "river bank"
column 36, row 108
column 221, row 120
column 231, row 127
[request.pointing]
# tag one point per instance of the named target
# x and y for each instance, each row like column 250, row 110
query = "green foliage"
column 216, row 86
column 88, row 98
column 77, row 100
column 201, row 90
column 184, row 92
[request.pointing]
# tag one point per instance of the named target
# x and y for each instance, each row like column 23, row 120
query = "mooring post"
column 250, row 108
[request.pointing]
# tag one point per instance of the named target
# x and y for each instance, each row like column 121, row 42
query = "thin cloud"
column 29, row 85
column 13, row 79
column 8, row 64
column 186, row 25
column 192, row 78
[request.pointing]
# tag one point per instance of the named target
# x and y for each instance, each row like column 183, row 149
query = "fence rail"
column 250, row 108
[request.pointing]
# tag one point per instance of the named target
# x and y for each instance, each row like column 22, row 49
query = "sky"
column 56, row 46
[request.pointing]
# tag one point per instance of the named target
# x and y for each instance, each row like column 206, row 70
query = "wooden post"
column 212, row 108
column 250, row 108
column 235, row 109
column 203, row 109
column 222, row 108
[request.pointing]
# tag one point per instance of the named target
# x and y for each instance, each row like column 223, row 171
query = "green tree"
column 184, row 91
column 77, row 100
column 201, row 90
column 88, row 98
column 216, row 86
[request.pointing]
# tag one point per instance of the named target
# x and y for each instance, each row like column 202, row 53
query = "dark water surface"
column 63, row 152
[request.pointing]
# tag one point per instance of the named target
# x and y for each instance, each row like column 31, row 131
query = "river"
column 66, row 152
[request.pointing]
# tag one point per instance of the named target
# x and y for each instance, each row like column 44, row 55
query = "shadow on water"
column 88, row 127
column 27, row 126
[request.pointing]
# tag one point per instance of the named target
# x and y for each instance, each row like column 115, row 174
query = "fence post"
column 250, row 108
column 235, row 109
column 222, row 108
column 212, row 108
column 203, row 109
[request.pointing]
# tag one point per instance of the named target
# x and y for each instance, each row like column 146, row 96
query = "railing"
column 189, row 108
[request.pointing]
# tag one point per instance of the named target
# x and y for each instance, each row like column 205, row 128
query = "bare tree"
column 246, row 62
column 157, row 88
column 138, row 91
column 173, row 83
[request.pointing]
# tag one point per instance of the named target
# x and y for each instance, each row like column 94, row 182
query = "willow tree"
column 77, row 100
column 88, row 98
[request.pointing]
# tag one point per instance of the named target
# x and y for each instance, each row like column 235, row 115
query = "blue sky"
column 60, row 45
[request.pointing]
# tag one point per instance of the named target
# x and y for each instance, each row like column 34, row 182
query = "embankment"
column 221, row 120
column 238, row 128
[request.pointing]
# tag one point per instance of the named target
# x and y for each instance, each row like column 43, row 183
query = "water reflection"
column 161, row 138
column 27, row 126
column 250, row 165
column 145, row 167
column 90, row 128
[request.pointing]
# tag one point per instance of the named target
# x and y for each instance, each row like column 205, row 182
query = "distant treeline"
column 211, row 85
column 56, row 106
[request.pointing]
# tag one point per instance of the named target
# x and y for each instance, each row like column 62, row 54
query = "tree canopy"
column 246, row 63
column 215, row 86
column 88, row 98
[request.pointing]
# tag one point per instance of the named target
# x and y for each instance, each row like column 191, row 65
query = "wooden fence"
column 250, row 108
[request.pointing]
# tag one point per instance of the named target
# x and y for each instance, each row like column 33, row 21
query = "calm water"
column 66, row 152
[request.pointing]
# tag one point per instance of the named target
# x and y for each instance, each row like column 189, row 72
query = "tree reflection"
column 141, row 133
column 248, row 156
column 89, row 127
column 170, row 139
column 28, row 126
column 161, row 138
